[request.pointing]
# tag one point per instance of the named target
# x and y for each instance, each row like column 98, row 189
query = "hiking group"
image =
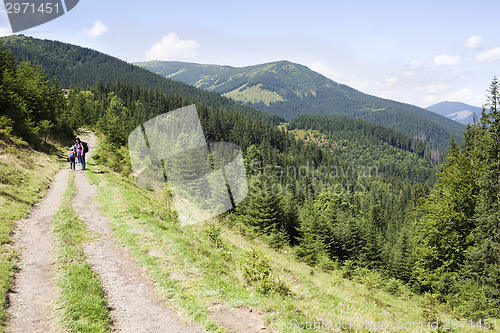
column 77, row 154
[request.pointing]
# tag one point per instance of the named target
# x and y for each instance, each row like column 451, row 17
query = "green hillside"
column 362, row 142
column 289, row 89
column 75, row 66
column 343, row 225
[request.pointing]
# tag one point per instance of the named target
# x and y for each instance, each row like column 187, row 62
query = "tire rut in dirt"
column 135, row 304
column 32, row 302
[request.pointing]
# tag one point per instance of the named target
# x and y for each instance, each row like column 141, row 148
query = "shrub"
column 116, row 158
column 394, row 286
column 257, row 271
column 429, row 303
column 370, row 278
column 277, row 239
column 473, row 301
column 347, row 270
column 213, row 232
column 6, row 125
column 162, row 205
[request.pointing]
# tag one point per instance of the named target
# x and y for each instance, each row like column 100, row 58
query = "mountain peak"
column 289, row 89
column 458, row 111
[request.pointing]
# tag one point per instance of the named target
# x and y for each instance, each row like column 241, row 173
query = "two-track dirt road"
column 135, row 304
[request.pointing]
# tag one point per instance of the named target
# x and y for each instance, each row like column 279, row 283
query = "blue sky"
column 418, row 52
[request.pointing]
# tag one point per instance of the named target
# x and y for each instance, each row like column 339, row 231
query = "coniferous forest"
column 385, row 203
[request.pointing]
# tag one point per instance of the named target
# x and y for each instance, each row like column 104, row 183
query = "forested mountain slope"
column 357, row 217
column 75, row 66
column 288, row 89
column 363, row 140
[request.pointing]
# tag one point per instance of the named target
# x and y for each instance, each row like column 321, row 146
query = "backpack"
column 85, row 147
column 71, row 154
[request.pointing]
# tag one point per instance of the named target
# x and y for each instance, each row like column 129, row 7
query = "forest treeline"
column 74, row 66
column 287, row 178
column 298, row 90
column 457, row 244
column 332, row 212
column 344, row 128
column 30, row 104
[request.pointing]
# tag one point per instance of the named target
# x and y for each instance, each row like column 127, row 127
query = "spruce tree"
column 261, row 209
column 313, row 233
column 484, row 262
column 443, row 234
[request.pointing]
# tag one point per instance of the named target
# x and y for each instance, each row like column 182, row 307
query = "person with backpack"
column 72, row 158
column 81, row 148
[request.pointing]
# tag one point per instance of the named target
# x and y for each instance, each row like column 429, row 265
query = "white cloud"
column 5, row 32
column 432, row 99
column 446, row 60
column 433, row 88
column 97, row 30
column 388, row 94
column 321, row 68
column 489, row 55
column 415, row 64
column 172, row 47
column 391, row 80
column 464, row 95
column 473, row 42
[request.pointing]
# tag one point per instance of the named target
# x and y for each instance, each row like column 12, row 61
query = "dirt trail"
column 135, row 304
column 32, row 307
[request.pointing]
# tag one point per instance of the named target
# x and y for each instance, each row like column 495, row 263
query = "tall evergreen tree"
column 485, row 255
column 261, row 209
column 443, row 234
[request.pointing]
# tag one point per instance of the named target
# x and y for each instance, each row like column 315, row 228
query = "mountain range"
column 460, row 112
column 76, row 66
column 288, row 89
column 275, row 92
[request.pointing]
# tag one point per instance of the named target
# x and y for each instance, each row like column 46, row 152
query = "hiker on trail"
column 81, row 149
column 72, row 158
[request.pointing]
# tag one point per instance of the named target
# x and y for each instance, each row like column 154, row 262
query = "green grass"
column 24, row 179
column 254, row 94
column 197, row 266
column 82, row 302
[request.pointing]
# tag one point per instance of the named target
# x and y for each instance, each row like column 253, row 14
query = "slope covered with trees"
column 288, row 89
column 30, row 104
column 458, row 243
column 324, row 206
column 75, row 66
column 363, row 132
column 357, row 213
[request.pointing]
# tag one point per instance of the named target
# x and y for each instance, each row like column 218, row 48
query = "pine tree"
column 484, row 261
column 443, row 234
column 261, row 209
column 313, row 242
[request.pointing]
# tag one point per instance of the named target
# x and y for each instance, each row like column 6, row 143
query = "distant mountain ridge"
column 288, row 89
column 266, row 83
column 460, row 112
